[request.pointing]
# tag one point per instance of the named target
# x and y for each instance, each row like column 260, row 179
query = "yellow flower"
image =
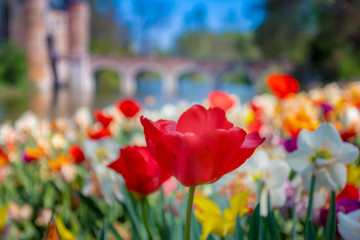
column 213, row 220
column 3, row 212
column 57, row 163
column 353, row 175
column 64, row 233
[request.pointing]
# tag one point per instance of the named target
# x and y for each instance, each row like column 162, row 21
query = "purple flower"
column 290, row 144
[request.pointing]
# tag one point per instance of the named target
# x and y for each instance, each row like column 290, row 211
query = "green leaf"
column 271, row 224
column 309, row 231
column 114, row 232
column 102, row 233
column 91, row 204
column 255, row 224
column 238, row 235
column 331, row 220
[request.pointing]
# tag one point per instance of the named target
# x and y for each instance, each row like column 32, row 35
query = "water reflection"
column 65, row 102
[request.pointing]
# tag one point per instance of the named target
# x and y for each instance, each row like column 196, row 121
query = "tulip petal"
column 205, row 209
column 199, row 121
column 333, row 176
column 154, row 130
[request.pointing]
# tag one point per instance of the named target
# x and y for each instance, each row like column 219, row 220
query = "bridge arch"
column 101, row 65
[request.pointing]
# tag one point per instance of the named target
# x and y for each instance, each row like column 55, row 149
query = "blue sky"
column 220, row 16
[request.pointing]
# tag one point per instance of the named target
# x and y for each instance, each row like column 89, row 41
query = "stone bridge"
column 169, row 69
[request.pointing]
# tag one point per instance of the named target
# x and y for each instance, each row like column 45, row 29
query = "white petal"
column 278, row 197
column 278, row 172
column 300, row 160
column 263, row 203
column 305, row 140
column 349, row 225
column 327, row 138
column 257, row 163
column 320, row 198
column 347, row 153
column 333, row 176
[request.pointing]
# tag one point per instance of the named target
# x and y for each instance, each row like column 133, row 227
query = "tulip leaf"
column 114, row 232
column 310, row 231
column 91, row 204
column 102, row 233
column 271, row 224
column 255, row 224
column 238, row 235
column 331, row 220
column 195, row 227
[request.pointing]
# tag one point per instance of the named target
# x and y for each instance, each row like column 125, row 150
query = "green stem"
column 188, row 212
column 294, row 220
column 222, row 238
column 311, row 197
column 145, row 218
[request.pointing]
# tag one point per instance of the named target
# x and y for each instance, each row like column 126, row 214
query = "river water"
column 65, row 102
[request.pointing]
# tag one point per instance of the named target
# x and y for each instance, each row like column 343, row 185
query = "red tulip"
column 128, row 107
column 221, row 99
column 282, row 85
column 76, row 153
column 141, row 172
column 99, row 134
column 4, row 159
column 103, row 118
column 349, row 192
column 202, row 147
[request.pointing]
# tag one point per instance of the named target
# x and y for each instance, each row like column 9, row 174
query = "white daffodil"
column 349, row 225
column 273, row 173
column 325, row 151
column 101, row 153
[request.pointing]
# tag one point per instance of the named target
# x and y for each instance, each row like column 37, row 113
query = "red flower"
column 103, row 118
column 128, row 107
column 282, row 85
column 349, row 192
column 221, row 99
column 76, row 153
column 141, row 172
column 99, row 134
column 4, row 159
column 202, row 147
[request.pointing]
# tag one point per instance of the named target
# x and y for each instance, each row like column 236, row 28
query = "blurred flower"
column 82, row 117
column 349, row 192
column 349, row 225
column 282, row 85
column 18, row 213
column 43, row 217
column 221, row 99
column 101, row 153
column 3, row 213
column 103, row 118
column 213, row 220
column 4, row 159
column 290, row 144
column 141, row 172
column 99, row 134
column 273, row 173
column 129, row 107
column 32, row 154
column 201, row 147
column 52, row 231
column 58, row 141
column 64, row 233
column 324, row 150
column 76, row 153
column 58, row 162
column 353, row 175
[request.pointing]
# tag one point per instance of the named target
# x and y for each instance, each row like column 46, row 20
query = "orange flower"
column 31, row 154
column 52, row 231
column 4, row 159
column 301, row 120
column 57, row 163
column 221, row 99
column 282, row 85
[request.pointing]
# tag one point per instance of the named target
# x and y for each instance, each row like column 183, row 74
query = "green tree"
column 13, row 66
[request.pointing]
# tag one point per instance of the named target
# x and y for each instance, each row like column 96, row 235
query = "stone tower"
column 34, row 41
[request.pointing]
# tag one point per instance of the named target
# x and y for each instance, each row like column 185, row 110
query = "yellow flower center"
column 321, row 154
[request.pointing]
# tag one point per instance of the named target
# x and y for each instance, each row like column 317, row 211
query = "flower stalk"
column 145, row 218
column 188, row 212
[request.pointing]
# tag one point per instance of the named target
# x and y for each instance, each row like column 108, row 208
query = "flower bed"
column 281, row 166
